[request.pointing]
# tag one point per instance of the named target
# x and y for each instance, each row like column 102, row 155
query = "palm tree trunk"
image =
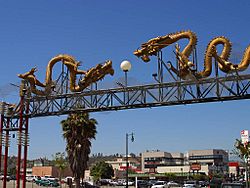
column 77, row 181
column 60, row 178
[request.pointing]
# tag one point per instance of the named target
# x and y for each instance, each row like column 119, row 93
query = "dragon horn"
column 33, row 70
column 79, row 63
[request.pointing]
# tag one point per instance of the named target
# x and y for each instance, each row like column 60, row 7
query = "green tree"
column 242, row 150
column 170, row 176
column 200, row 177
column 78, row 131
column 101, row 170
column 11, row 165
column 60, row 161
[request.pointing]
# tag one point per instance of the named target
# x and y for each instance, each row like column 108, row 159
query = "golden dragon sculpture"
column 154, row 45
column 92, row 75
column 230, row 67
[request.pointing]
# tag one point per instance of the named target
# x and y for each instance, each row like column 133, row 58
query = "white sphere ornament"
column 125, row 66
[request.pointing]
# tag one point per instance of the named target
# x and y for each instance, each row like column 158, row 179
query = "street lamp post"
column 126, row 66
column 132, row 140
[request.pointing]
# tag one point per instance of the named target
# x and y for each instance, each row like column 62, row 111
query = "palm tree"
column 78, row 130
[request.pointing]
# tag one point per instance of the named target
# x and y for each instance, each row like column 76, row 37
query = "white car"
column 173, row 184
column 160, row 184
column 7, row 177
column 48, row 177
column 130, row 183
column 191, row 184
column 30, row 178
column 68, row 179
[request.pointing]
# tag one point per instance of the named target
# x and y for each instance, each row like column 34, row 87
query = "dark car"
column 143, row 184
column 203, row 183
column 232, row 185
column 88, row 185
column 47, row 183
column 13, row 177
column 103, row 182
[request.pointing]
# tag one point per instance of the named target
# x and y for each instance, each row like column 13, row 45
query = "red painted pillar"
column 25, row 145
column 6, row 154
column 1, row 137
column 19, row 143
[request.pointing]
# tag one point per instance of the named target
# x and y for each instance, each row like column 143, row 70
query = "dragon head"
column 30, row 73
column 107, row 68
column 152, row 47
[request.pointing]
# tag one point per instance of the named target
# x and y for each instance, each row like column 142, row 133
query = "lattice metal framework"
column 161, row 94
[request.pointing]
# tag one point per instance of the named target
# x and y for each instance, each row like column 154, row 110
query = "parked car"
column 203, row 183
column 152, row 182
column 48, row 183
column 13, row 177
column 130, row 183
column 68, row 180
column 8, row 178
column 87, row 185
column 39, row 181
column 160, row 184
column 113, row 183
column 143, row 184
column 47, row 177
column 173, row 184
column 104, row 182
column 191, row 184
column 31, row 178
column 232, row 185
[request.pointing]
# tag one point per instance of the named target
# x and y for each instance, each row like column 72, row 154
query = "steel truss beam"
column 233, row 87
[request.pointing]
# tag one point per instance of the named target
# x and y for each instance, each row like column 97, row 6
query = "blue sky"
column 32, row 32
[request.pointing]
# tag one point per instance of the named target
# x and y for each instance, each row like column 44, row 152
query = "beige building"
column 203, row 161
column 216, row 159
column 119, row 164
column 150, row 160
column 182, row 169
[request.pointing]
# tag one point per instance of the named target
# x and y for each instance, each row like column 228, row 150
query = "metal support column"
column 1, row 139
column 19, row 143
column 6, row 154
column 25, row 145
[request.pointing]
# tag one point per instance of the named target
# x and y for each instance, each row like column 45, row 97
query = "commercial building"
column 120, row 164
column 216, row 160
column 202, row 161
column 151, row 160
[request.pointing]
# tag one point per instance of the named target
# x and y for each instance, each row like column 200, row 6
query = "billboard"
column 195, row 166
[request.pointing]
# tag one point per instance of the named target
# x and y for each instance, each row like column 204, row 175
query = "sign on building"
column 195, row 166
column 244, row 136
